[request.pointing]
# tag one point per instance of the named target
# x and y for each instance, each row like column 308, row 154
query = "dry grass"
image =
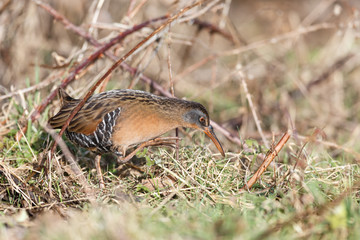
column 259, row 67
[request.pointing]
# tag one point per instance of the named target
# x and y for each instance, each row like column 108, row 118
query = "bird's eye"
column 202, row 120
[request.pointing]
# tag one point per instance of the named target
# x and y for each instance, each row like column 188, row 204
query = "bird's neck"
column 173, row 110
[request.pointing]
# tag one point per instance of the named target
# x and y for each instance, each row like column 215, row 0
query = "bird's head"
column 197, row 117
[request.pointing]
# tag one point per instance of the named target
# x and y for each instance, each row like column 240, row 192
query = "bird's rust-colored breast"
column 140, row 123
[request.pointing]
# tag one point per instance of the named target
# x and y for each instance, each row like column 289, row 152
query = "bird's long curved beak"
column 210, row 132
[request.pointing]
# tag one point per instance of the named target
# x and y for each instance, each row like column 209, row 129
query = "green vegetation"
column 195, row 197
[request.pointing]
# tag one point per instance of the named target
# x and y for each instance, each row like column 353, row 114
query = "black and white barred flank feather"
column 101, row 138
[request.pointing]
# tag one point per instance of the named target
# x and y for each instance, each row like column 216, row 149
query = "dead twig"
column 253, row 111
column 80, row 31
column 269, row 158
column 171, row 86
column 332, row 145
column 131, row 13
column 338, row 64
column 289, row 35
column 51, row 79
column 213, row 29
column 5, row 5
column 228, row 135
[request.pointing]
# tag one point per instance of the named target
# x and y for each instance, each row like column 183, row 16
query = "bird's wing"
column 89, row 116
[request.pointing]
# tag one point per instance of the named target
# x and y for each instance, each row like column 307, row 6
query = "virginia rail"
column 114, row 120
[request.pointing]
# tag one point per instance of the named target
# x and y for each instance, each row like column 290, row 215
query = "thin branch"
column 251, row 105
column 338, row 64
column 332, row 145
column 171, row 85
column 269, row 158
column 51, row 79
column 213, row 29
column 94, row 19
column 199, row 12
column 289, row 35
column 5, row 5
column 136, row 9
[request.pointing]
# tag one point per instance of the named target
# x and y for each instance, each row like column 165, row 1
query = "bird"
column 115, row 120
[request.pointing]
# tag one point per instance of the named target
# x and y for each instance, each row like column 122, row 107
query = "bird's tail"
column 68, row 104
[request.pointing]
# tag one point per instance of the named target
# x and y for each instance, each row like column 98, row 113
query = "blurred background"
column 298, row 59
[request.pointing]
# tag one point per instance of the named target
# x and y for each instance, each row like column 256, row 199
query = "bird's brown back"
column 98, row 105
